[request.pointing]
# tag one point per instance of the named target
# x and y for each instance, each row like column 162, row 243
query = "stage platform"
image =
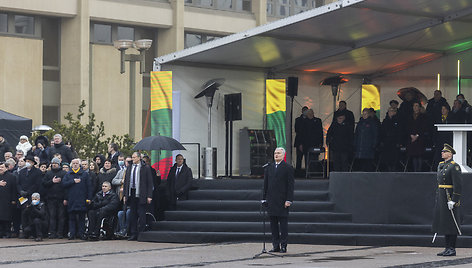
column 357, row 208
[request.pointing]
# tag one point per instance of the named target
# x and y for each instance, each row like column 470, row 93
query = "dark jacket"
column 29, row 182
column 278, row 188
column 365, row 138
column 114, row 160
column 105, row 175
column 349, row 117
column 340, row 137
column 145, row 183
column 102, row 160
column 77, row 193
column 312, row 133
column 179, row 187
column 54, row 191
column 441, row 137
column 417, row 126
column 35, row 212
column 4, row 147
column 63, row 150
column 42, row 154
column 108, row 204
column 8, row 194
column 299, row 130
column 449, row 173
column 458, row 117
column 392, row 133
column 434, row 109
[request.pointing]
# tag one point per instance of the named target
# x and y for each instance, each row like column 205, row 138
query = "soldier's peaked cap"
column 448, row 148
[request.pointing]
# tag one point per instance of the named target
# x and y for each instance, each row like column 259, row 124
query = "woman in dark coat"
column 8, row 196
column 79, row 193
column 416, row 129
column 392, row 137
column 365, row 140
column 107, row 173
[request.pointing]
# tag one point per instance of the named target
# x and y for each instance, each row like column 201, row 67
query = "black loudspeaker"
column 233, row 109
column 292, row 86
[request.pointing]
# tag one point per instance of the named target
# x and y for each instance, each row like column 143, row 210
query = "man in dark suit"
column 137, row 192
column 179, row 181
column 278, row 197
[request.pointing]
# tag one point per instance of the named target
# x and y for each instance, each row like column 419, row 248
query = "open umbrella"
column 415, row 93
column 158, row 143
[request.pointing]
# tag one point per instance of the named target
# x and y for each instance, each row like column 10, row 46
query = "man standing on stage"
column 446, row 217
column 278, row 197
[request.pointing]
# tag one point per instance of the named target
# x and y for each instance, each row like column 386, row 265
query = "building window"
column 125, row 33
column 24, row 24
column 285, row 8
column 193, row 39
column 102, row 33
column 3, row 23
column 232, row 5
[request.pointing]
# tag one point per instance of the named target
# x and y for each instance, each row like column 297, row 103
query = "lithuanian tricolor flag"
column 371, row 98
column 276, row 108
column 161, row 117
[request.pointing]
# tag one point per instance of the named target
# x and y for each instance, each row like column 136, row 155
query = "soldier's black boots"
column 448, row 252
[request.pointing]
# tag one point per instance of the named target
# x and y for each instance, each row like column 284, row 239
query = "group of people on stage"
column 48, row 191
column 406, row 139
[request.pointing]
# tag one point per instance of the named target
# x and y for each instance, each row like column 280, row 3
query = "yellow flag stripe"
column 161, row 90
column 275, row 95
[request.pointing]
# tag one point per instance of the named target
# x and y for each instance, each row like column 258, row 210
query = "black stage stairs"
column 228, row 210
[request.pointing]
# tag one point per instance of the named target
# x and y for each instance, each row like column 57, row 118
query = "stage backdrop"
column 161, row 117
column 275, row 109
column 371, row 98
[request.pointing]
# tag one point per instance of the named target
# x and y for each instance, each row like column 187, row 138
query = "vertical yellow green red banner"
column 371, row 98
column 161, row 117
column 276, row 109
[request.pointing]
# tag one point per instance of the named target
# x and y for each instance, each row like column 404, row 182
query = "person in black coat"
column 339, row 139
column 179, row 181
column 157, row 207
column 416, row 136
column 60, row 148
column 99, row 160
column 299, row 122
column 457, row 115
column 392, row 137
column 312, row 136
column 8, row 196
column 107, row 173
column 34, row 218
column 4, row 147
column 105, row 204
column 441, row 137
column 434, row 108
column 278, row 197
column 55, row 196
column 79, row 193
column 448, row 198
column 29, row 178
column 348, row 115
column 113, row 154
column 365, row 140
column 137, row 190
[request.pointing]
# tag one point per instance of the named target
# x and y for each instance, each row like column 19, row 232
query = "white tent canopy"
column 360, row 37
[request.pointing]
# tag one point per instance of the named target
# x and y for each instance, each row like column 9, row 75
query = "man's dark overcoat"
column 278, row 188
column 449, row 179
column 8, row 194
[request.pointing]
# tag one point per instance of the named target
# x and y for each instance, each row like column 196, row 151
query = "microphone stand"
column 264, row 251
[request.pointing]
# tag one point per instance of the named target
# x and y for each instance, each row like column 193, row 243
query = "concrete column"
column 172, row 39
column 75, row 40
column 259, row 8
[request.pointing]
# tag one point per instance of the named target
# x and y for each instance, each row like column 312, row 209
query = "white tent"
column 396, row 43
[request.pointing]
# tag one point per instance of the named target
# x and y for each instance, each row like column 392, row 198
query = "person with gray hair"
column 34, row 218
column 105, row 204
column 60, row 148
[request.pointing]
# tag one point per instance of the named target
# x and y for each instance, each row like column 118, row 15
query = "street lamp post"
column 141, row 45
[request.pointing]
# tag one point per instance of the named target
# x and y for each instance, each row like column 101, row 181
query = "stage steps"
column 229, row 211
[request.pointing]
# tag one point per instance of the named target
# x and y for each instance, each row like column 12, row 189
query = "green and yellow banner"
column 371, row 98
column 276, row 109
column 161, row 117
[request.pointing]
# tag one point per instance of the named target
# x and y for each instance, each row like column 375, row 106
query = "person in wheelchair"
column 104, row 205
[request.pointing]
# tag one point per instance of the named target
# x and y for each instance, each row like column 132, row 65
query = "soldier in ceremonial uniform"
column 448, row 200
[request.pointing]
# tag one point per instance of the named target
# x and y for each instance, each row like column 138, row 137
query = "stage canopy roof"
column 363, row 37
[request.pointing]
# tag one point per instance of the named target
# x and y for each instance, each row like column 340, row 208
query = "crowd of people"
column 406, row 139
column 46, row 190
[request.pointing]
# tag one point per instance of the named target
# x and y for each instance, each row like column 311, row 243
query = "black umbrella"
column 415, row 93
column 158, row 143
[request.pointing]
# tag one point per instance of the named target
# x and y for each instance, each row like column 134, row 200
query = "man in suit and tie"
column 278, row 197
column 179, row 181
column 137, row 193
